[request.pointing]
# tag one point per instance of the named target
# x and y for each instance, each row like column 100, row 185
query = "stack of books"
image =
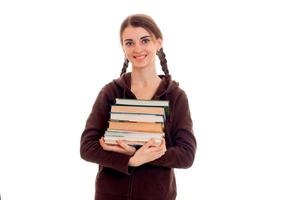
column 137, row 121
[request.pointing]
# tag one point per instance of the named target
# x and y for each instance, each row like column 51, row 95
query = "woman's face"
column 140, row 46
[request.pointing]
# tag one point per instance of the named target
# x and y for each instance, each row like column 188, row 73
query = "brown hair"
column 146, row 22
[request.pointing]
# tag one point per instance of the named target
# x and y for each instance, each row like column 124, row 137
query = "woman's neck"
column 144, row 77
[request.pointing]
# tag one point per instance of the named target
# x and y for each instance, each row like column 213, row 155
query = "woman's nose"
column 137, row 48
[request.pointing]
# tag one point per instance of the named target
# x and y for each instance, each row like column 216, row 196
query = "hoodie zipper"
column 130, row 188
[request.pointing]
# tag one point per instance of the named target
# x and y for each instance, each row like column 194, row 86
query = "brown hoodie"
column 154, row 180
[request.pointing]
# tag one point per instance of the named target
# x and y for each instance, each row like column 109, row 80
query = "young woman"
column 147, row 172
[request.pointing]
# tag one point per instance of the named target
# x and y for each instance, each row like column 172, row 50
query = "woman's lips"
column 139, row 57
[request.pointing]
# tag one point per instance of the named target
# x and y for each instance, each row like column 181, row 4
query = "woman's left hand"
column 148, row 153
column 122, row 147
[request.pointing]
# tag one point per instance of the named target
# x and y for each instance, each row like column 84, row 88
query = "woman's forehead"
column 135, row 33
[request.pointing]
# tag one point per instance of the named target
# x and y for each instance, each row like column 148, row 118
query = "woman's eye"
column 144, row 41
column 128, row 43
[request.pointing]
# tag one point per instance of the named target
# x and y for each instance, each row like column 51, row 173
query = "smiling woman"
column 138, row 33
column 126, row 172
column 140, row 47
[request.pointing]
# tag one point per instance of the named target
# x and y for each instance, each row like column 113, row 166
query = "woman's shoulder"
column 115, row 87
column 176, row 94
column 174, row 90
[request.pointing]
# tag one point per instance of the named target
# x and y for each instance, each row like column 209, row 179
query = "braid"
column 125, row 65
column 163, row 61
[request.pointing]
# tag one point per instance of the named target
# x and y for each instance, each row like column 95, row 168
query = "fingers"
column 121, row 147
column 102, row 143
column 160, row 147
column 101, row 140
column 155, row 150
column 150, row 147
column 161, row 150
column 108, row 147
column 148, row 144
column 125, row 146
column 148, row 152
column 157, row 153
column 163, row 144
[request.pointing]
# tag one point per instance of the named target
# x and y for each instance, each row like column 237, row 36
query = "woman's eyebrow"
column 146, row 36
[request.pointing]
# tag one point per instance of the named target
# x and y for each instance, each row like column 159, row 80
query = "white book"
column 133, row 117
column 132, row 135
column 133, row 143
column 139, row 102
column 131, row 139
column 132, row 132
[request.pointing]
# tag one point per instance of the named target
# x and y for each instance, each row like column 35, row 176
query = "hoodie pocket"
column 154, row 182
column 112, row 182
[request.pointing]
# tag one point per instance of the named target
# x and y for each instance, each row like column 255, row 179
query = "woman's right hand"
column 147, row 153
column 122, row 147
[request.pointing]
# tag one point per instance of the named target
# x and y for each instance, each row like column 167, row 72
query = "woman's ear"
column 159, row 42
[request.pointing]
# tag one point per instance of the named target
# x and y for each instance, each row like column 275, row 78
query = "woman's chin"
column 139, row 65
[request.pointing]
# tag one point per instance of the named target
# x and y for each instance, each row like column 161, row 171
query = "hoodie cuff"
column 119, row 162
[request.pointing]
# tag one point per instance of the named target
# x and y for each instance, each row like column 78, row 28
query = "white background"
column 238, row 62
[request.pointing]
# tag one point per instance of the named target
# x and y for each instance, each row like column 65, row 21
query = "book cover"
column 134, row 126
column 135, row 117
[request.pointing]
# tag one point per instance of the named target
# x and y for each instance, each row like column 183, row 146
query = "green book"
column 145, row 103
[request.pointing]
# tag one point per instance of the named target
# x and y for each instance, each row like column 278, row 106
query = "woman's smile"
column 139, row 57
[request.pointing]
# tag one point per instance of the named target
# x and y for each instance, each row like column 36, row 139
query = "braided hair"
column 146, row 22
column 125, row 65
column 163, row 61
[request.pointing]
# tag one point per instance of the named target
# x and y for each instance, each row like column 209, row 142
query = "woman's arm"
column 182, row 154
column 97, row 123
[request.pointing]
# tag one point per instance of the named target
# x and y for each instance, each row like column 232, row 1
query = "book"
column 159, row 103
column 137, row 109
column 134, row 126
column 135, row 117
column 132, row 139
column 134, row 134
column 137, row 121
column 150, row 103
column 139, row 143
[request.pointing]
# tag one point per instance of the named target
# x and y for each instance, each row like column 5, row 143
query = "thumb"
column 148, row 144
column 125, row 146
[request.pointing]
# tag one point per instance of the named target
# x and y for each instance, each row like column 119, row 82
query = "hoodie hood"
column 166, row 86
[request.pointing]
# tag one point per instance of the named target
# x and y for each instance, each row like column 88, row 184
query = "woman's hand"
column 147, row 153
column 122, row 147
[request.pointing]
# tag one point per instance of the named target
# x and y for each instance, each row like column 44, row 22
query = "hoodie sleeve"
column 182, row 153
column 97, row 123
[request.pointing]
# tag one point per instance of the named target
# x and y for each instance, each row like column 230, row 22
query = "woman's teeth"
column 139, row 57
